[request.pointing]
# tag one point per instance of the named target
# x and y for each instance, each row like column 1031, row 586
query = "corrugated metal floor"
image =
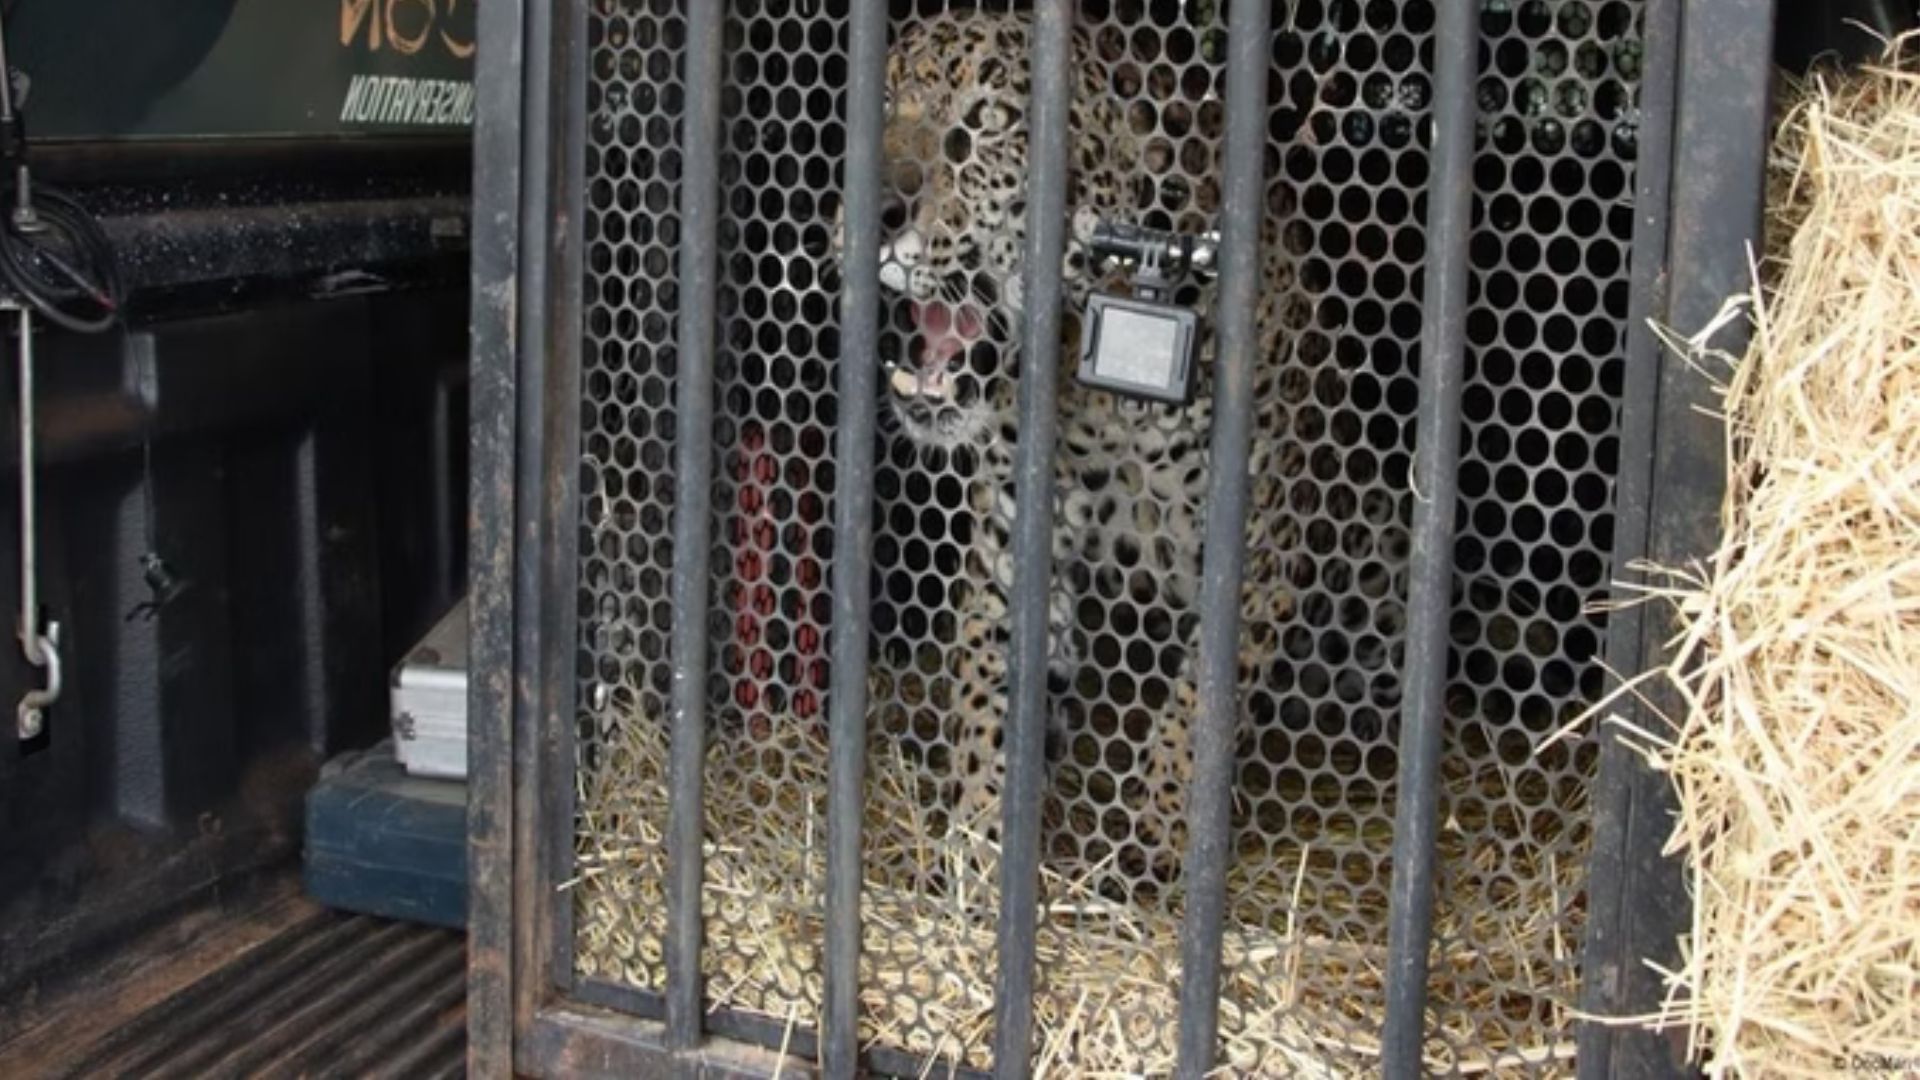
column 330, row 995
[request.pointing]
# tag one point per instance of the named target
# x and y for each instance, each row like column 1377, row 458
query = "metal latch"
column 1144, row 345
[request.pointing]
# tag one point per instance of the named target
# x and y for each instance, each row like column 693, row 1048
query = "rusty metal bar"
column 1210, row 799
column 692, row 519
column 1436, row 483
column 493, row 406
column 555, row 548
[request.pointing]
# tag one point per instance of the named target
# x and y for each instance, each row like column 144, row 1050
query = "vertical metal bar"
column 493, row 406
column 1047, row 135
column 530, row 516
column 558, row 556
column 42, row 649
column 692, row 501
column 1210, row 798
column 1701, row 189
column 1436, row 481
column 1607, row 965
column 29, row 573
column 853, row 534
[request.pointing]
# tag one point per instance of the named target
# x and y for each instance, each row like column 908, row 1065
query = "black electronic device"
column 1144, row 345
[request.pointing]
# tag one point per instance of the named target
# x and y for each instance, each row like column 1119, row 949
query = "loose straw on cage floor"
column 1293, row 1003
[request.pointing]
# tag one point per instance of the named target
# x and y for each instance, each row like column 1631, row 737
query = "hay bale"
column 1797, row 762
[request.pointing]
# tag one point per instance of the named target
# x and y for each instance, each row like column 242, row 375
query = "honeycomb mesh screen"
column 635, row 98
column 1323, row 610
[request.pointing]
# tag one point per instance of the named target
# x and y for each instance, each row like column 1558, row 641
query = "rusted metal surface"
column 495, row 325
column 539, row 274
column 550, row 742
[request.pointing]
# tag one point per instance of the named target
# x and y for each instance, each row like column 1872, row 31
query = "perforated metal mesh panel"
column 781, row 114
column 1324, row 605
column 1554, row 214
column 628, row 361
column 1317, row 754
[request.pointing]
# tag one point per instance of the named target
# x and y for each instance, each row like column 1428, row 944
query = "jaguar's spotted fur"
column 1130, row 478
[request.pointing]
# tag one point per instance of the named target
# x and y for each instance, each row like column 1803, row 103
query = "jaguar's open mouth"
column 946, row 331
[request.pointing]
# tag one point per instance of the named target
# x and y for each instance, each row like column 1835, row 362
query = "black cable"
column 61, row 263
column 53, row 253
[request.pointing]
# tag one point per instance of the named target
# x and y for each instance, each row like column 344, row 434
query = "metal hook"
column 42, row 650
column 33, row 705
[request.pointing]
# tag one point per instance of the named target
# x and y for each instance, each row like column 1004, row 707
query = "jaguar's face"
column 955, row 147
column 950, row 263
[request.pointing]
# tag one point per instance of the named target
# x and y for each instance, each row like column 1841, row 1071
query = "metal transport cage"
column 856, row 689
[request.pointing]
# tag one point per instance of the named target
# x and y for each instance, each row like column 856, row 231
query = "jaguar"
column 1130, row 476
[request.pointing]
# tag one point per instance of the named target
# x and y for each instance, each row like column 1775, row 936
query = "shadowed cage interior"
column 1348, row 126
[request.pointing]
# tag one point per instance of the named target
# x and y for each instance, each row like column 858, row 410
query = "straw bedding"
column 1295, row 1002
column 1797, row 760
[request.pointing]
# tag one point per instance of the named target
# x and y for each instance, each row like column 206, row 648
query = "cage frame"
column 1698, row 205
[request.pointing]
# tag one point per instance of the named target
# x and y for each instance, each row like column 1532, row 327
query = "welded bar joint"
column 1048, row 131
column 1430, row 586
column 1210, row 797
column 693, row 487
column 853, row 535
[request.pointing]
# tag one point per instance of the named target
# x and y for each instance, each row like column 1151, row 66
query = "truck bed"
column 272, row 986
